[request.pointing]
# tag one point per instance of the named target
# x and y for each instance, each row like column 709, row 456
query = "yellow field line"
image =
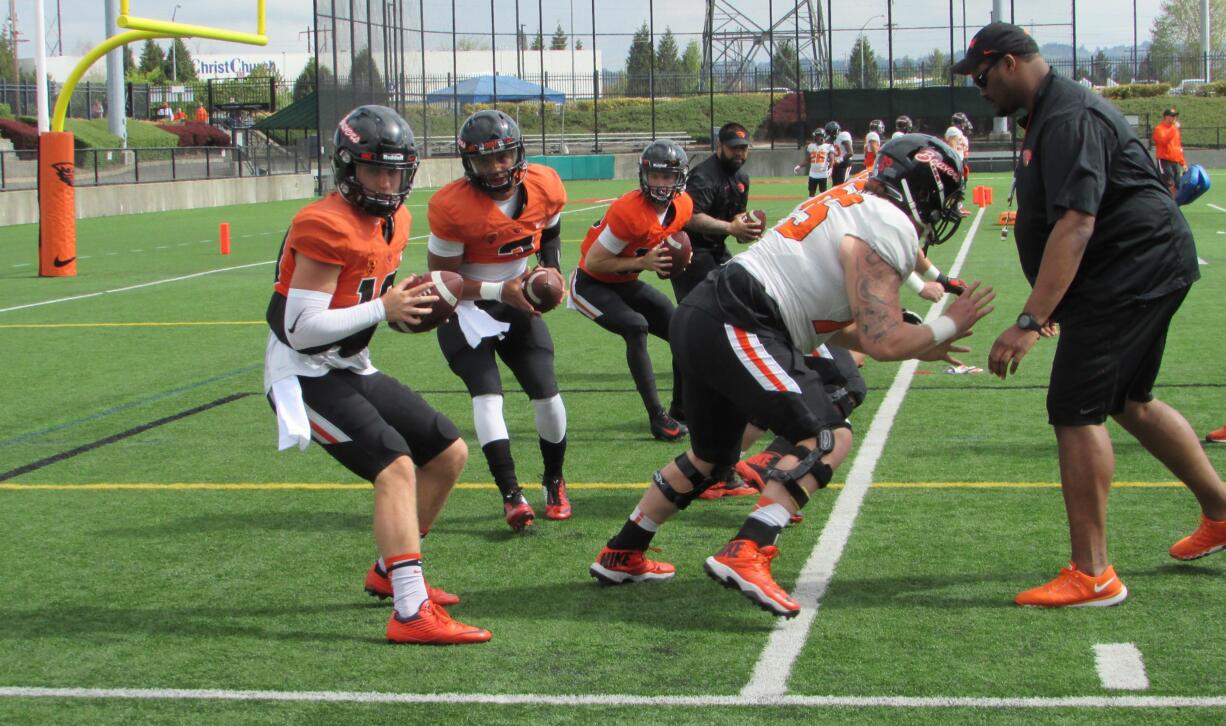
column 315, row 486
column 134, row 325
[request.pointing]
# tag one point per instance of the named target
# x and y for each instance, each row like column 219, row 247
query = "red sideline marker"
column 225, row 238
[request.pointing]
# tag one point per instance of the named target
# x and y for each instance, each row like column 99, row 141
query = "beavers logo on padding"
column 64, row 170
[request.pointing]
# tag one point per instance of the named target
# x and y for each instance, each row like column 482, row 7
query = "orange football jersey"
column 633, row 220
column 461, row 212
column 335, row 232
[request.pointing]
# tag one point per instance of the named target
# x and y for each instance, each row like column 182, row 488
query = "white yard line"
column 1120, row 667
column 179, row 694
column 1217, row 208
column 774, row 666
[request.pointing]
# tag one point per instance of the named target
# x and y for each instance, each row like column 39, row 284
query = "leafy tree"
column 129, row 61
column 8, row 71
column 305, row 84
column 151, row 57
column 638, row 63
column 1177, row 28
column 1100, row 68
column 936, row 66
column 184, row 69
column 783, row 64
column 559, row 40
column 268, row 70
column 691, row 66
column 862, row 70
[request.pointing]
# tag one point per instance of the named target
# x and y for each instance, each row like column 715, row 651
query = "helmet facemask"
column 653, row 189
column 374, row 201
column 498, row 181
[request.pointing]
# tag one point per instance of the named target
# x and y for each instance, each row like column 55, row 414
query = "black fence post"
column 136, row 164
column 173, row 175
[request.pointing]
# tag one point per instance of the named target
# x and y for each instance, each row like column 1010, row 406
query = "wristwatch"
column 1026, row 321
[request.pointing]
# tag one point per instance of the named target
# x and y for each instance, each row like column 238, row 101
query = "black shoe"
column 667, row 428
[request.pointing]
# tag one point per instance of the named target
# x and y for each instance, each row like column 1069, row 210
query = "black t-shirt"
column 1079, row 153
column 718, row 194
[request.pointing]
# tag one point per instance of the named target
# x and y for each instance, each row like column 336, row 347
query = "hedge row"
column 194, row 133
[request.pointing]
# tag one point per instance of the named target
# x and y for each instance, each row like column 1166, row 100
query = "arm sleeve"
column 309, row 323
column 444, row 248
column 1076, row 158
column 610, row 241
column 550, row 253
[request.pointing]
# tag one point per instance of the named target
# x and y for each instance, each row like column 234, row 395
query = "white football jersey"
column 798, row 260
column 870, row 137
column 820, row 159
column 957, row 141
column 896, row 135
column 844, row 137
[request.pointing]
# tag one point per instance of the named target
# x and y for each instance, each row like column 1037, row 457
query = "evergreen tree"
column 559, row 40
column 1100, row 68
column 862, row 70
column 129, row 61
column 184, row 69
column 151, row 57
column 578, row 43
column 668, row 65
column 691, row 66
column 538, row 42
column 936, row 67
column 638, row 63
column 783, row 65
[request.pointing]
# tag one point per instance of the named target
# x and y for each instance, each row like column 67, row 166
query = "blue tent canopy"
column 480, row 89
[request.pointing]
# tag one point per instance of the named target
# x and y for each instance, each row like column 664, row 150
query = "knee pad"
column 550, row 418
column 487, row 418
column 681, row 500
column 810, row 463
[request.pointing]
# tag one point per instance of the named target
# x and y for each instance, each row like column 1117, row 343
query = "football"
column 543, row 287
column 679, row 251
column 757, row 215
column 448, row 286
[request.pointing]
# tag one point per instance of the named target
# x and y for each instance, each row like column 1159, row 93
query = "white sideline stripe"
column 1202, row 260
column 1217, row 208
column 133, row 287
column 770, row 675
column 1120, row 667
column 183, row 694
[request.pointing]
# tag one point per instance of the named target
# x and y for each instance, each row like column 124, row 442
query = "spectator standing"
column 1168, row 147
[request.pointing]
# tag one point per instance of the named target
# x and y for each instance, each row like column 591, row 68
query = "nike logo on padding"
column 1099, row 587
column 61, row 263
column 294, row 327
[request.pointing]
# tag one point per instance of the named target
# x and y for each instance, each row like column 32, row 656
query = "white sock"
column 643, row 520
column 773, row 514
column 408, row 584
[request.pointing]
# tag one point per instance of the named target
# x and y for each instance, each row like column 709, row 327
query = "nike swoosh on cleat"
column 1099, row 587
column 61, row 263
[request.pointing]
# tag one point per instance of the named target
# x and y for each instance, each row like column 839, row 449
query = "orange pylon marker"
column 225, row 238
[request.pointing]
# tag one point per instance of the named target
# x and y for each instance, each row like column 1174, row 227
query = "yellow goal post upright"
column 57, row 230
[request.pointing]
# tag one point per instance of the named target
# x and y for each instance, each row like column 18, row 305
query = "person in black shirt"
column 1110, row 258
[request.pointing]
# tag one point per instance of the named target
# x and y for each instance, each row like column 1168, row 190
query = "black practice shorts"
column 733, row 376
column 367, row 422
column 1171, row 172
column 838, row 173
column 1105, row 360
column 526, row 348
column 816, row 184
column 624, row 308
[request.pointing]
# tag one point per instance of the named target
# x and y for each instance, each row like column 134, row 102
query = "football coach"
column 1110, row 258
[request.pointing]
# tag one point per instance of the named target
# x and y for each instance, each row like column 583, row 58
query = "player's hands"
column 971, row 306
column 944, row 351
column 745, row 228
column 407, row 301
column 1050, row 329
column 1009, row 349
column 513, row 295
column 932, row 290
column 657, row 259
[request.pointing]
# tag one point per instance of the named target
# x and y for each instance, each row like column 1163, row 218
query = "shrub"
column 1137, row 90
column 23, row 135
column 6, row 111
column 194, row 133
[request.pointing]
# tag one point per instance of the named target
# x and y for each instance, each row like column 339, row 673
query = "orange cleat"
column 753, row 469
column 432, row 626
column 379, row 585
column 1208, row 538
column 518, row 512
column 557, row 504
column 733, row 486
column 1075, row 589
column 741, row 564
column 1216, row 437
column 618, row 567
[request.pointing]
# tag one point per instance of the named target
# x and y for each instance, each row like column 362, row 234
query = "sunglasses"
column 981, row 80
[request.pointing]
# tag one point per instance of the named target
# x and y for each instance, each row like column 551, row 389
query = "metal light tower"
column 731, row 40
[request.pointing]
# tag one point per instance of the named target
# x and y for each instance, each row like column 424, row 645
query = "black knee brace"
column 681, row 500
column 810, row 463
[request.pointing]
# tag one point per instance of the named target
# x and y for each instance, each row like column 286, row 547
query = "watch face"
column 1027, row 322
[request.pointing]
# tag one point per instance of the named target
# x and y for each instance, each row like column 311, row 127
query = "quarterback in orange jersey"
column 628, row 240
column 335, row 283
column 486, row 226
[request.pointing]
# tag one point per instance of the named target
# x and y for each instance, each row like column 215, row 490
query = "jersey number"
column 366, row 289
column 518, row 248
column 807, row 216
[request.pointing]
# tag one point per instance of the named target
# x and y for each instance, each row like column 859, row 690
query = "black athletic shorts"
column 367, row 422
column 733, row 375
column 1171, row 172
column 624, row 308
column 1104, row 360
column 526, row 348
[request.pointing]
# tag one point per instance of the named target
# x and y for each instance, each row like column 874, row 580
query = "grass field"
column 154, row 540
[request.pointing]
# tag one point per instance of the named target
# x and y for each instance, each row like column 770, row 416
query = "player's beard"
column 731, row 164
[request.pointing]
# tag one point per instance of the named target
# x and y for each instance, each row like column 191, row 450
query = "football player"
column 840, row 138
column 872, row 142
column 485, row 226
column 958, row 137
column 630, row 239
column 818, row 157
column 830, row 271
column 335, row 282
column 902, row 125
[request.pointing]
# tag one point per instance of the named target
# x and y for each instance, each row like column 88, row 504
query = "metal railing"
column 100, row 167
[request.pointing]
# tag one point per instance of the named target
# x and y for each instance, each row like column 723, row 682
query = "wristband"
column 943, row 328
column 491, row 291
column 914, row 282
column 932, row 273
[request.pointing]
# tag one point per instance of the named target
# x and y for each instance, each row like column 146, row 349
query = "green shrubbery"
column 1137, row 90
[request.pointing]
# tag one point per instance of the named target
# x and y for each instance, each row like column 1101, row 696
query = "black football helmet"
column 492, row 132
column 877, row 125
column 375, row 136
column 903, row 124
column 667, row 156
column 832, row 130
column 962, row 121
column 922, row 176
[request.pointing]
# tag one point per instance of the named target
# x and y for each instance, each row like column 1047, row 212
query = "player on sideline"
column 872, row 142
column 957, row 137
column 335, row 283
column 630, row 239
column 818, row 157
column 902, row 125
column 485, row 226
column 830, row 271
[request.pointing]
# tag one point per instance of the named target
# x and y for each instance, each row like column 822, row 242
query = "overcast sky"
column 922, row 24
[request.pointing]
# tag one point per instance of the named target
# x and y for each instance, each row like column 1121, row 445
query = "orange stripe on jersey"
column 747, row 347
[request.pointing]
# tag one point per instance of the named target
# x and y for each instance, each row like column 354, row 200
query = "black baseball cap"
column 1170, row 112
column 993, row 40
column 733, row 134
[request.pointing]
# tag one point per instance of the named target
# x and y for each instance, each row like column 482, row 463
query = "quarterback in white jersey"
column 831, row 270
